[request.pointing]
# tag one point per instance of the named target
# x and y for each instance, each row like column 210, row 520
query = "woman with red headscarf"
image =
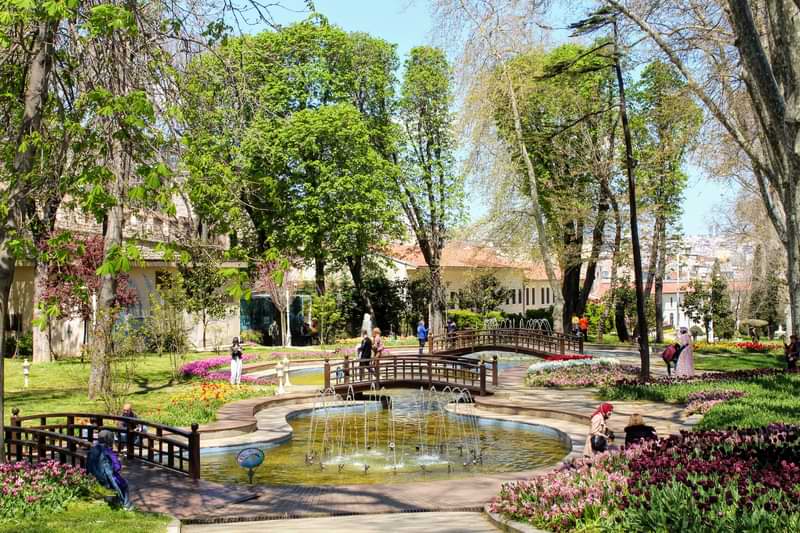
column 599, row 434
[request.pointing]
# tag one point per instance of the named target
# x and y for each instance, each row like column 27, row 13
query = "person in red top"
column 583, row 324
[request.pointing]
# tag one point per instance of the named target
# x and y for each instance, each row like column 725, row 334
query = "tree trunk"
column 661, row 268
column 42, row 351
column 100, row 374
column 7, row 264
column 319, row 275
column 644, row 349
column 571, row 284
column 438, row 301
column 793, row 266
column 538, row 213
column 654, row 249
column 619, row 322
column 356, row 267
column 35, row 95
column 597, row 242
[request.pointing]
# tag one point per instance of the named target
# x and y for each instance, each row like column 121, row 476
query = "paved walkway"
column 565, row 410
column 383, row 523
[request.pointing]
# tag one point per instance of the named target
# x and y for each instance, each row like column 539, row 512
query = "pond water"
column 411, row 438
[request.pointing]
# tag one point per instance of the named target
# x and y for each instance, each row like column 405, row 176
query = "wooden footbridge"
column 444, row 364
column 67, row 437
column 519, row 340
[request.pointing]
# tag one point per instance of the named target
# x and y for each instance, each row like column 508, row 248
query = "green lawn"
column 742, row 361
column 90, row 516
column 768, row 399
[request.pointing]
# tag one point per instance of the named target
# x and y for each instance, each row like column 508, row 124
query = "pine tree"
column 720, row 303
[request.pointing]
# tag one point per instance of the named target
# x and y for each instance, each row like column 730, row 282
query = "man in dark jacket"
column 104, row 465
column 365, row 353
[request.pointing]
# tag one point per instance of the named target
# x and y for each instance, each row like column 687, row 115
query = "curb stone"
column 509, row 526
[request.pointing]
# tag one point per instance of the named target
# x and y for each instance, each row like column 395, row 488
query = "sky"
column 407, row 23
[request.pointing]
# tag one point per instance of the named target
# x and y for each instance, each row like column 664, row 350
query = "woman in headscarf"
column 685, row 366
column 599, row 434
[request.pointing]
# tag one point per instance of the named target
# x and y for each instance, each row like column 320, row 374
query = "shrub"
column 29, row 490
column 466, row 319
column 251, row 335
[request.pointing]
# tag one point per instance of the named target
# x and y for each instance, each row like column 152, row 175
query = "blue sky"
column 407, row 23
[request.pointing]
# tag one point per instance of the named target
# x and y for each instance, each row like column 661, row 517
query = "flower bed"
column 737, row 347
column 702, row 402
column 201, row 402
column 578, row 373
column 693, row 482
column 753, row 347
column 30, row 490
column 575, row 357
column 202, row 368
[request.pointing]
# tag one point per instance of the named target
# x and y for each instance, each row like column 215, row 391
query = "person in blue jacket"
column 422, row 335
column 104, row 465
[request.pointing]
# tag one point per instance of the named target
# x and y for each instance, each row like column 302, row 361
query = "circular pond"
column 406, row 436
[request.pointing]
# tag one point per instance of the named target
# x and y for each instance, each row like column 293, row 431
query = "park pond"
column 402, row 436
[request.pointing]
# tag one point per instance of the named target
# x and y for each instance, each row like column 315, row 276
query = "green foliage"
column 330, row 318
column 419, row 301
column 165, row 327
column 21, row 345
column 766, row 302
column 768, row 399
column 466, row 319
column 203, row 282
column 250, row 335
column 482, row 294
column 707, row 303
column 77, row 514
column 675, row 507
column 29, row 491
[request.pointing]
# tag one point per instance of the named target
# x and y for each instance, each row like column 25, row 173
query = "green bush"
column 466, row 319
column 251, row 335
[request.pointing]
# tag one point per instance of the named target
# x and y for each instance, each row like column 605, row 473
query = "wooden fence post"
column 327, row 371
column 71, row 433
column 580, row 344
column 129, row 438
column 15, row 435
column 194, row 453
column 483, row 379
column 430, row 373
column 561, row 344
column 346, row 369
column 494, row 370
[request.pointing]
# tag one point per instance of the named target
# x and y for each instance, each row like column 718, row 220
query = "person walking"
column 575, row 325
column 583, row 325
column 364, row 354
column 104, row 465
column 377, row 351
column 236, row 361
column 685, row 365
column 792, row 351
column 422, row 335
column 637, row 431
column 599, row 434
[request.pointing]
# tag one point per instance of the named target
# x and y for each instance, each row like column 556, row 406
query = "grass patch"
column 768, row 399
column 90, row 516
column 741, row 361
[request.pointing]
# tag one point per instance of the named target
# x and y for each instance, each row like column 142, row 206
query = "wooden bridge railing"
column 67, row 437
column 412, row 370
column 514, row 339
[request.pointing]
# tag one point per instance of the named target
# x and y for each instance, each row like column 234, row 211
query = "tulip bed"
column 578, row 373
column 769, row 396
column 703, row 481
column 29, row 490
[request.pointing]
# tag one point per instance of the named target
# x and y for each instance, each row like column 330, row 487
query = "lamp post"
column 286, row 371
column 279, row 373
column 26, row 371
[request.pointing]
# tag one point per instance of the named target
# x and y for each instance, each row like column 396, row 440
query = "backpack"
column 669, row 353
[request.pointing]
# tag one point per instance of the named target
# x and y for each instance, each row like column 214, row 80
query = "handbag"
column 599, row 443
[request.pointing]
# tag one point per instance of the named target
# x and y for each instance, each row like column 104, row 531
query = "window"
column 542, row 295
column 519, row 294
column 513, row 297
column 527, row 296
column 670, row 303
column 533, row 296
column 671, row 319
column 548, row 295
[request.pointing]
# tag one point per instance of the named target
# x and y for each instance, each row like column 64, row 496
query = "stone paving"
column 564, row 410
column 450, row 522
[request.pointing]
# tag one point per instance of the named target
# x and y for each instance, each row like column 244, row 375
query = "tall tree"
column 744, row 67
column 489, row 33
column 665, row 122
column 430, row 190
column 721, row 311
